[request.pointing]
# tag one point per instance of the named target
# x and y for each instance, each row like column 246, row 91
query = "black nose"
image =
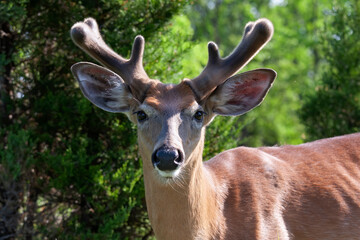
column 167, row 158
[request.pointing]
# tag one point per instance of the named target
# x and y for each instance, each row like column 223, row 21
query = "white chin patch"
column 168, row 174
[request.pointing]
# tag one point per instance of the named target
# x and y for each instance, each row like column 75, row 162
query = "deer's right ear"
column 102, row 87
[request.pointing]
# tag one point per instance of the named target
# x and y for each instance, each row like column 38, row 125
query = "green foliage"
column 17, row 153
column 334, row 107
column 169, row 47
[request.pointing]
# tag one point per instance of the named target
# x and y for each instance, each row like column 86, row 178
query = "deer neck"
column 187, row 209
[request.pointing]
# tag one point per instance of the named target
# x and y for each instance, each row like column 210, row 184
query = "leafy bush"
column 334, row 108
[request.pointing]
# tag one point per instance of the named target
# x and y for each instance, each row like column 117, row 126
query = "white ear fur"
column 102, row 87
column 241, row 93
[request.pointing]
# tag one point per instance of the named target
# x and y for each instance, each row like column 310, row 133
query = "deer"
column 306, row 191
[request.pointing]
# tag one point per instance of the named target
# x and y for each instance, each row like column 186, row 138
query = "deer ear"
column 102, row 87
column 241, row 93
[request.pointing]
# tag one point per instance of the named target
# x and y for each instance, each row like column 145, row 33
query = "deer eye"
column 199, row 116
column 141, row 116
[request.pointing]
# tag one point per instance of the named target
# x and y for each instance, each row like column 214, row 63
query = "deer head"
column 171, row 119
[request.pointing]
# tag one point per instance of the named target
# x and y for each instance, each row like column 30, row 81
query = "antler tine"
column 86, row 35
column 217, row 70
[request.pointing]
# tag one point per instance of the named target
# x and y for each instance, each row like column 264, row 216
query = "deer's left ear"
column 241, row 93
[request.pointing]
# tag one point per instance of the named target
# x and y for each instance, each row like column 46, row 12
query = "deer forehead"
column 169, row 97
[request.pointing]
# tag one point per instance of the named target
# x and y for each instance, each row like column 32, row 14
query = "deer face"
column 167, row 149
column 170, row 124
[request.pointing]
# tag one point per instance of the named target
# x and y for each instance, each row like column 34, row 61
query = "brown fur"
column 163, row 96
column 313, row 188
column 310, row 191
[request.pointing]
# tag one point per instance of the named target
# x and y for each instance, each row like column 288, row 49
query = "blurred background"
column 71, row 171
